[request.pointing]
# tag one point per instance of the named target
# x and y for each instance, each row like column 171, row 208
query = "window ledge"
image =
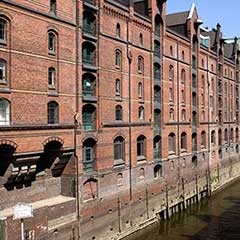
column 3, row 82
column 5, row 90
column 3, row 42
column 171, row 153
column 52, row 53
column 141, row 158
column 53, row 93
column 119, row 163
column 183, row 150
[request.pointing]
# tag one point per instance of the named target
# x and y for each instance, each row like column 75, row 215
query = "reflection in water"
column 215, row 219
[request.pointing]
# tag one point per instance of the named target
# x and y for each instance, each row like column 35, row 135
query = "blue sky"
column 211, row 12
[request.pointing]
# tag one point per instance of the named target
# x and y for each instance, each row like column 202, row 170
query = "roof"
column 177, row 18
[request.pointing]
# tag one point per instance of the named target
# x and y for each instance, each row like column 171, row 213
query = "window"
column 237, row 136
column 118, row 59
column 231, row 135
column 118, row 87
column 183, row 115
column 156, row 48
column 203, row 64
column 88, row 117
column 118, row 30
column 171, row 51
column 213, row 137
column 89, row 23
column 203, row 82
column 171, row 114
column 51, row 76
column 88, row 153
column 118, row 113
column 171, row 143
column 52, row 43
column 157, row 94
column 203, row 99
column 53, row 6
column 157, row 118
column 88, row 85
column 141, row 147
column 203, row 139
column 171, row 73
column 157, row 73
column 3, row 31
column 212, row 68
column 157, row 147
column 183, row 141
column 140, row 64
column 158, row 171
column 88, row 53
column 183, row 76
column 194, row 142
column 183, row 96
column 140, row 90
column 2, row 71
column 53, row 115
column 141, row 113
column 4, row 112
column 194, row 161
column 226, row 135
column 118, row 149
column 170, row 94
column 141, row 39
column 203, row 115
column 183, row 55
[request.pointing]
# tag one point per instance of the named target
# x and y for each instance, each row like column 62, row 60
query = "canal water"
column 217, row 218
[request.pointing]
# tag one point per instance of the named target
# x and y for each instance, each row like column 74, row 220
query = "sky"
column 227, row 13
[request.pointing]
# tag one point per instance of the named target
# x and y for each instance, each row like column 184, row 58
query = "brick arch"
column 119, row 135
column 8, row 142
column 90, row 137
column 53, row 139
column 6, row 16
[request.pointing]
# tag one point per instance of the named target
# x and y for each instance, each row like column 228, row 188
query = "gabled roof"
column 177, row 18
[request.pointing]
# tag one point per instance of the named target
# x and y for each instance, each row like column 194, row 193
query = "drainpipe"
column 76, row 116
column 129, row 119
column 178, row 128
column 209, row 131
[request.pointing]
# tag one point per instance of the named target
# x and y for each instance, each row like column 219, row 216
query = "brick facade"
column 84, row 171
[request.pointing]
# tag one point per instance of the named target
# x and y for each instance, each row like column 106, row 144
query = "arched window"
column 171, row 50
column 51, row 76
column 203, row 115
column 237, row 135
column 88, row 53
column 118, row 113
column 118, row 150
column 203, row 139
column 156, row 48
column 183, row 55
column 118, row 87
column 158, row 171
column 157, row 25
column 140, row 64
column 118, row 30
column 171, row 73
column 194, row 62
column 88, row 85
column 226, row 135
column 183, row 115
column 140, row 90
column 194, row 161
column 141, row 113
column 170, row 95
column 141, row 39
column 157, row 94
column 89, row 23
column 157, row 118
column 3, row 31
column 88, row 152
column 88, row 117
column 203, row 64
column 157, row 147
column 194, row 118
column 53, row 113
column 183, row 141
column 194, row 142
column 52, row 42
column 171, row 143
column 141, row 147
column 3, row 74
column 4, row 112
column 213, row 138
column 171, row 114
column 118, row 59
column 183, row 96
column 231, row 135
column 203, row 82
column 157, row 72
column 183, row 76
column 219, row 137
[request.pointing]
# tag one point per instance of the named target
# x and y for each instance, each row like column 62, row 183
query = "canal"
column 217, row 218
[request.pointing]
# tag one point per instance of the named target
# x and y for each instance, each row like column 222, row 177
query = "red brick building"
column 111, row 113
